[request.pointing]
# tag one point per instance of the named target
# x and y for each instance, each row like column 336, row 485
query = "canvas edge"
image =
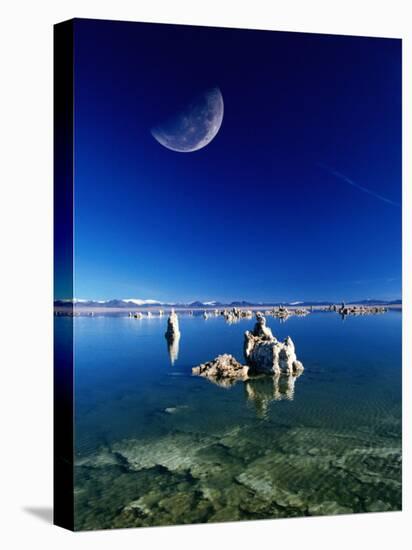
column 63, row 380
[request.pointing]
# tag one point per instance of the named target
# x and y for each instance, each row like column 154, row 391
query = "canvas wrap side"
column 63, row 274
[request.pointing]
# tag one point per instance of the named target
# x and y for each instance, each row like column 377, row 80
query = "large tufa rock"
column 224, row 370
column 172, row 331
column 265, row 354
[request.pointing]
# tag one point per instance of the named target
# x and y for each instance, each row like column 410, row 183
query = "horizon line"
column 138, row 302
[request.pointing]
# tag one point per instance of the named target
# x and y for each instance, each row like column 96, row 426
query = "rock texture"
column 265, row 354
column 224, row 370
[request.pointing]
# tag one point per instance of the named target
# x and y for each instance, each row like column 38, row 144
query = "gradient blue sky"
column 298, row 196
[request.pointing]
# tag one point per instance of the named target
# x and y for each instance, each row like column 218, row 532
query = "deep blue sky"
column 298, row 196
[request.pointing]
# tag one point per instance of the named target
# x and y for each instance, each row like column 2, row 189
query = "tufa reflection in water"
column 173, row 348
column 172, row 336
column 262, row 390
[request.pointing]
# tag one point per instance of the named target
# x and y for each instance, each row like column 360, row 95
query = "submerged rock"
column 223, row 369
column 175, row 409
column 245, row 471
column 265, row 354
column 177, row 451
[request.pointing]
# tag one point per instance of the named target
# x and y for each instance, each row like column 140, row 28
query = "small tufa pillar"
column 172, row 330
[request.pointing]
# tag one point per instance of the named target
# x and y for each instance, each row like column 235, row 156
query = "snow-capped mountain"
column 139, row 302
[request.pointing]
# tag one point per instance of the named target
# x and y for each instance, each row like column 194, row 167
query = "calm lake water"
column 156, row 445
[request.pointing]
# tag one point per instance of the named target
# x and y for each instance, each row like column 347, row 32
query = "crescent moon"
column 195, row 126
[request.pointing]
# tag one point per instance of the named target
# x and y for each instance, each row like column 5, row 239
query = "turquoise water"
column 156, row 445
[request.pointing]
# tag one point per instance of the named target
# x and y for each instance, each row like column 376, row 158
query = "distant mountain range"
column 129, row 303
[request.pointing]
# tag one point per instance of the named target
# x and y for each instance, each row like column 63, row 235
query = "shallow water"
column 156, row 445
